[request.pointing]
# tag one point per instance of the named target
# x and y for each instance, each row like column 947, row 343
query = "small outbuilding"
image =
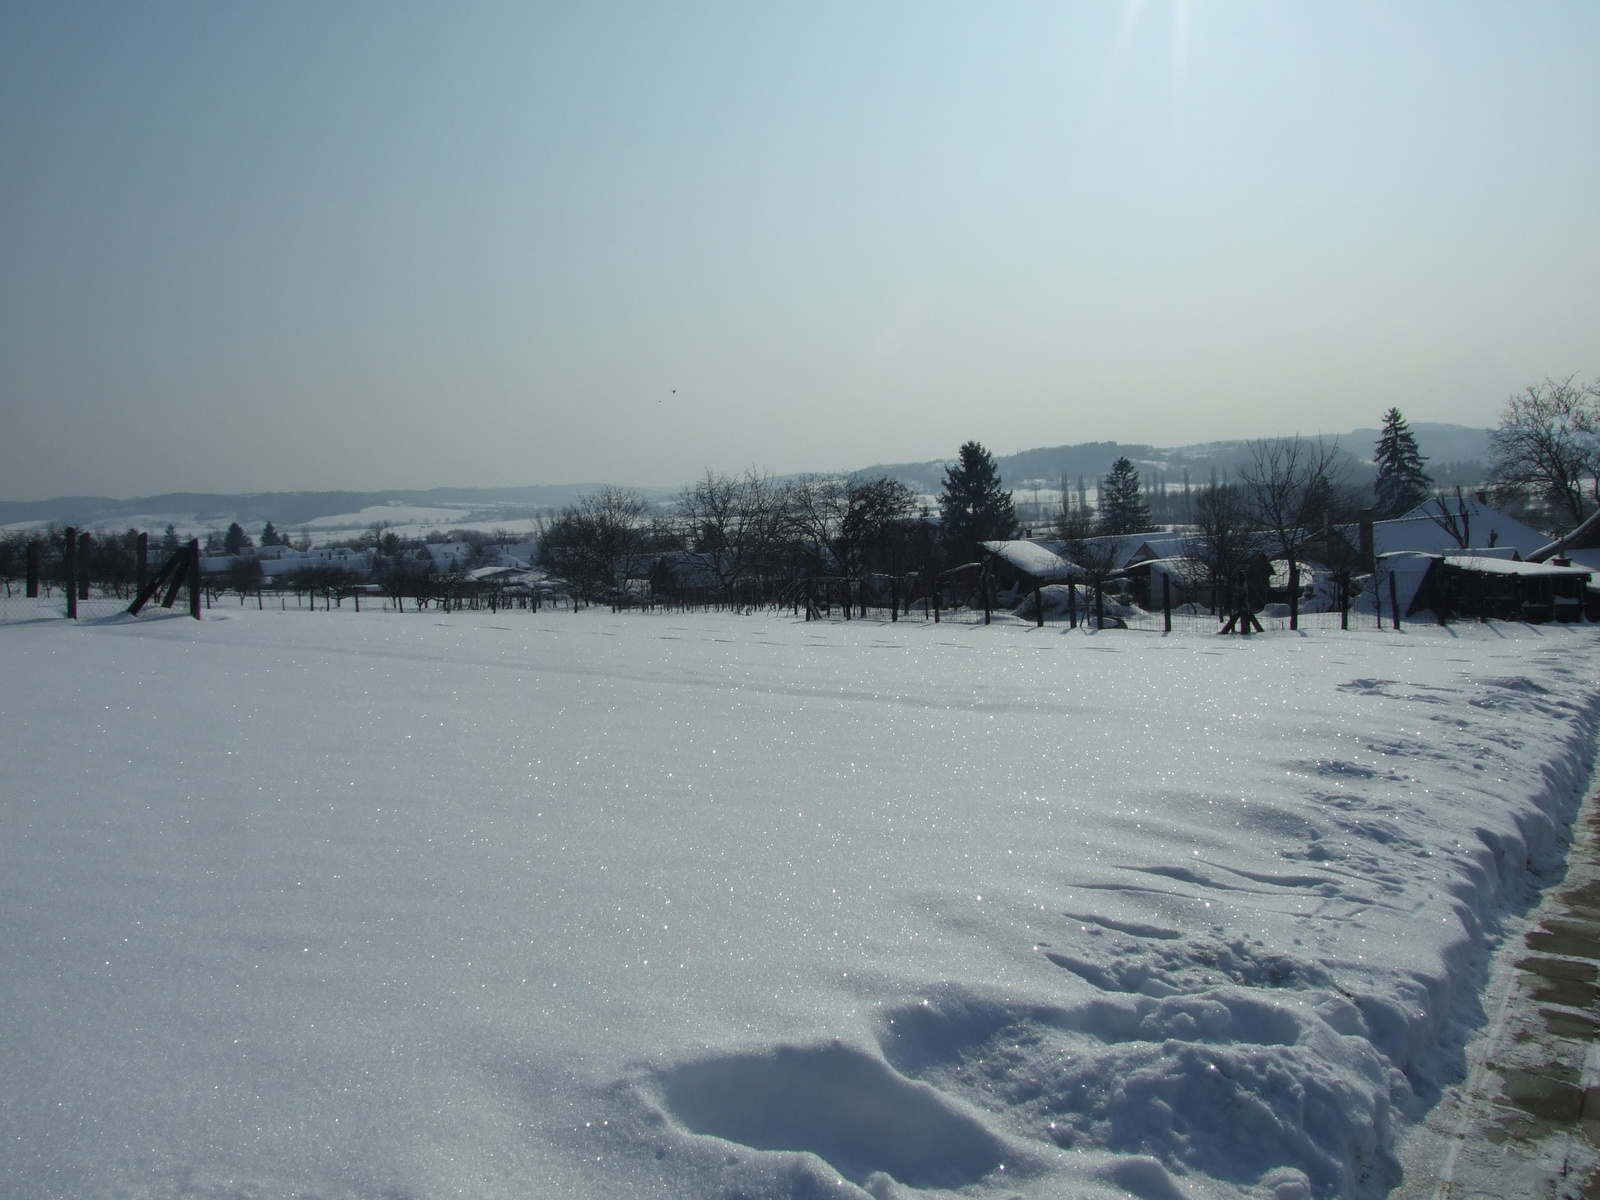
column 1481, row 586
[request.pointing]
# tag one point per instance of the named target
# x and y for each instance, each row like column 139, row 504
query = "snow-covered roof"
column 1421, row 530
column 483, row 574
column 1033, row 560
column 1179, row 566
column 1585, row 537
column 1151, row 546
column 1504, row 566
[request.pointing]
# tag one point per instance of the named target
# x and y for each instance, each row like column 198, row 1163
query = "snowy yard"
column 304, row 904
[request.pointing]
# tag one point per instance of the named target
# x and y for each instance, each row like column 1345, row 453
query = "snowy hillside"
column 585, row 905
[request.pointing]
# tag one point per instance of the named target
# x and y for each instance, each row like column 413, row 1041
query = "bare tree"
column 1546, row 445
column 244, row 577
column 1457, row 524
column 837, row 521
column 373, row 534
column 1226, row 539
column 13, row 558
column 1074, row 522
column 730, row 527
column 596, row 545
column 1292, row 485
column 1096, row 557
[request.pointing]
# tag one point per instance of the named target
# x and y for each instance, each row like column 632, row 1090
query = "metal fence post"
column 69, row 562
column 194, row 578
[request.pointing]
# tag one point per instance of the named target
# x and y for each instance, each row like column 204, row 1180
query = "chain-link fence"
column 106, row 573
column 69, row 573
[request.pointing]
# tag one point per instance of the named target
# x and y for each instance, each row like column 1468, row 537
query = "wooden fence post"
column 83, row 566
column 1166, row 602
column 983, row 586
column 1038, row 602
column 141, row 563
column 1294, row 595
column 1072, row 603
column 1344, row 600
column 69, row 561
column 33, row 570
column 1394, row 602
column 194, row 578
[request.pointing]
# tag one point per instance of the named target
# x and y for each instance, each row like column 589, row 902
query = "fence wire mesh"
column 108, row 600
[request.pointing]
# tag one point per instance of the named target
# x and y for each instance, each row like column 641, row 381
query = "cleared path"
column 1526, row 1122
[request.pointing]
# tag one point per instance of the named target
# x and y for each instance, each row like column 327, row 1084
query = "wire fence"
column 101, row 601
column 51, row 603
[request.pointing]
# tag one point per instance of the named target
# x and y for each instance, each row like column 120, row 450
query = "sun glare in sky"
column 267, row 247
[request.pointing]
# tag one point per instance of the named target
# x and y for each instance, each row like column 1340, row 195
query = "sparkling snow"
column 521, row 905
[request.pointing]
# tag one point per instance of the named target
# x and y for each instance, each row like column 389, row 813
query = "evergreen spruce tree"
column 1402, row 484
column 236, row 539
column 1122, row 505
column 972, row 506
column 270, row 535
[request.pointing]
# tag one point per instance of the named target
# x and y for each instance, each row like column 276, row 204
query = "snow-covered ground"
column 519, row 905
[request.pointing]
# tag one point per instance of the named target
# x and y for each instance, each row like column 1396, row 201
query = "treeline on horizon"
column 723, row 533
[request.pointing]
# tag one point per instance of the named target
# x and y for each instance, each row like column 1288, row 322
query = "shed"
column 1506, row 589
column 1189, row 582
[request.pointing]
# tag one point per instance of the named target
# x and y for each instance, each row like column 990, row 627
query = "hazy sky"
column 314, row 245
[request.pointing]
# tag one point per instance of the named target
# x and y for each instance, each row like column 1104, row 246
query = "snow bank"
column 500, row 905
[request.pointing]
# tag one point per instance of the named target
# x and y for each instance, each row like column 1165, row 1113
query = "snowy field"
column 404, row 520
column 317, row 905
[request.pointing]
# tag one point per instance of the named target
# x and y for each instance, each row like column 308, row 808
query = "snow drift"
column 349, row 906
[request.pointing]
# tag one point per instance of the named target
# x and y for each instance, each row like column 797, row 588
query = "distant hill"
column 287, row 510
column 1455, row 453
column 1441, row 444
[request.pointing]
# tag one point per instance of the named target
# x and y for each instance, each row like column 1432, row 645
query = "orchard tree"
column 728, row 526
column 596, row 545
column 1546, row 445
column 1123, row 510
column 1294, row 486
column 973, row 507
column 1225, row 540
column 841, row 523
column 1402, row 484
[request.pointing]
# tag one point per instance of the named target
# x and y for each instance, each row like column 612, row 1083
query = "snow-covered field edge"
column 1211, row 1077
column 1244, row 974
